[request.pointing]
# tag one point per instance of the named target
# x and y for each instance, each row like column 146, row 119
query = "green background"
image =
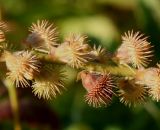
column 104, row 21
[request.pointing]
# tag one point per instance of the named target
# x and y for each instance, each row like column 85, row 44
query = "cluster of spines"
column 21, row 66
column 131, row 93
column 101, row 92
column 49, row 82
column 74, row 51
column 43, row 35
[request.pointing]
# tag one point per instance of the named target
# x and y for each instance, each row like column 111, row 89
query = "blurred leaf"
column 78, row 127
column 99, row 27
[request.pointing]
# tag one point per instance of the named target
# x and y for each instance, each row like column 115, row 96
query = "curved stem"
column 129, row 68
column 13, row 97
column 41, row 51
column 14, row 104
column 113, row 69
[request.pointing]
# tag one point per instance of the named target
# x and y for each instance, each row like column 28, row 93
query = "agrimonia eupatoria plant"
column 103, row 75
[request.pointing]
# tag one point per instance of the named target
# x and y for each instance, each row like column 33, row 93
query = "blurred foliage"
column 103, row 21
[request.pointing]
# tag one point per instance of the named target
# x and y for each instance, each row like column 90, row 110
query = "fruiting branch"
column 104, row 75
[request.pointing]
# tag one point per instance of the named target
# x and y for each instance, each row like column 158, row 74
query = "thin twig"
column 14, row 103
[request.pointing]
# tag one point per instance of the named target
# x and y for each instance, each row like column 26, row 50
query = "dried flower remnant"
column 43, row 35
column 151, row 78
column 49, row 82
column 77, row 39
column 22, row 67
column 4, row 26
column 135, row 50
column 131, row 93
column 74, row 51
column 99, row 88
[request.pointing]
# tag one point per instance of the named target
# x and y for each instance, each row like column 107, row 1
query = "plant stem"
column 13, row 97
column 14, row 104
column 111, row 67
column 121, row 70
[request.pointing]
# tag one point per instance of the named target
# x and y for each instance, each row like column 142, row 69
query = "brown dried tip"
column 43, row 35
column 3, row 29
column 135, row 50
column 4, row 26
column 77, row 39
column 99, row 87
column 131, row 93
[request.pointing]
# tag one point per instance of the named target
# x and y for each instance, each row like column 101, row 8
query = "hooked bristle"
column 43, row 35
column 49, row 82
column 99, row 87
column 74, row 51
column 22, row 67
column 131, row 93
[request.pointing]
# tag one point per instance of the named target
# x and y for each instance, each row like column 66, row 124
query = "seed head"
column 74, row 51
column 49, row 82
column 131, row 93
column 43, row 35
column 135, row 50
column 100, row 54
column 22, row 67
column 99, row 87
